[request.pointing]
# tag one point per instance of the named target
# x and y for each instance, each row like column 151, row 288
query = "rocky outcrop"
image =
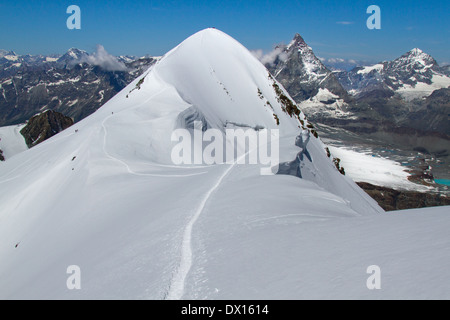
column 43, row 126
column 2, row 158
column 390, row 199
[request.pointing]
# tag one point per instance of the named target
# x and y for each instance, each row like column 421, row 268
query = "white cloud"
column 345, row 22
column 269, row 58
column 334, row 60
column 105, row 60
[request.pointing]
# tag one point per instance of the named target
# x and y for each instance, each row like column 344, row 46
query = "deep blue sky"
column 331, row 28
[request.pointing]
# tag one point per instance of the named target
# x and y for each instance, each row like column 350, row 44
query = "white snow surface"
column 105, row 196
column 378, row 67
column 422, row 89
column 11, row 141
column 316, row 105
column 364, row 167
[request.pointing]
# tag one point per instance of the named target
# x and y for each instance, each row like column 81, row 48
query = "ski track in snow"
column 10, row 179
column 176, row 289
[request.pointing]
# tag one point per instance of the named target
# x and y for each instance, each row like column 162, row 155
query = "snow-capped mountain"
column 8, row 55
column 309, row 81
column 11, row 62
column 413, row 75
column 409, row 92
column 384, row 91
column 401, row 102
column 71, row 57
column 299, row 70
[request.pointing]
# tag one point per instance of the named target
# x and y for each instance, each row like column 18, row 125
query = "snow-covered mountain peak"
column 415, row 74
column 221, row 79
column 106, row 195
column 72, row 56
column 75, row 52
column 9, row 55
column 300, row 71
column 414, row 60
column 299, row 44
column 4, row 53
column 415, row 51
column 417, row 54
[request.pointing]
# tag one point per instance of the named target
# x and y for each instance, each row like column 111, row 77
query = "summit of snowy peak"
column 415, row 51
column 4, row 53
column 221, row 79
column 298, row 39
column 415, row 58
column 302, row 73
column 76, row 52
column 208, row 35
column 299, row 44
column 72, row 57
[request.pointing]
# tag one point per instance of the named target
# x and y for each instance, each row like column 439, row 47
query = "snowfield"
column 378, row 67
column 422, row 90
column 363, row 167
column 11, row 141
column 105, row 196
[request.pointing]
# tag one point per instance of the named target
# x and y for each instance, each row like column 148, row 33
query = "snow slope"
column 287, row 255
column 104, row 195
column 11, row 141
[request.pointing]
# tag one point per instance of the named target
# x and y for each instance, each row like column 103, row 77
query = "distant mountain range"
column 408, row 96
column 406, row 100
column 75, row 83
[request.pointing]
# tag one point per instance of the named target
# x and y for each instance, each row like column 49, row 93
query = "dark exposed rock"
column 43, row 126
column 2, row 158
column 390, row 199
column 446, row 70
